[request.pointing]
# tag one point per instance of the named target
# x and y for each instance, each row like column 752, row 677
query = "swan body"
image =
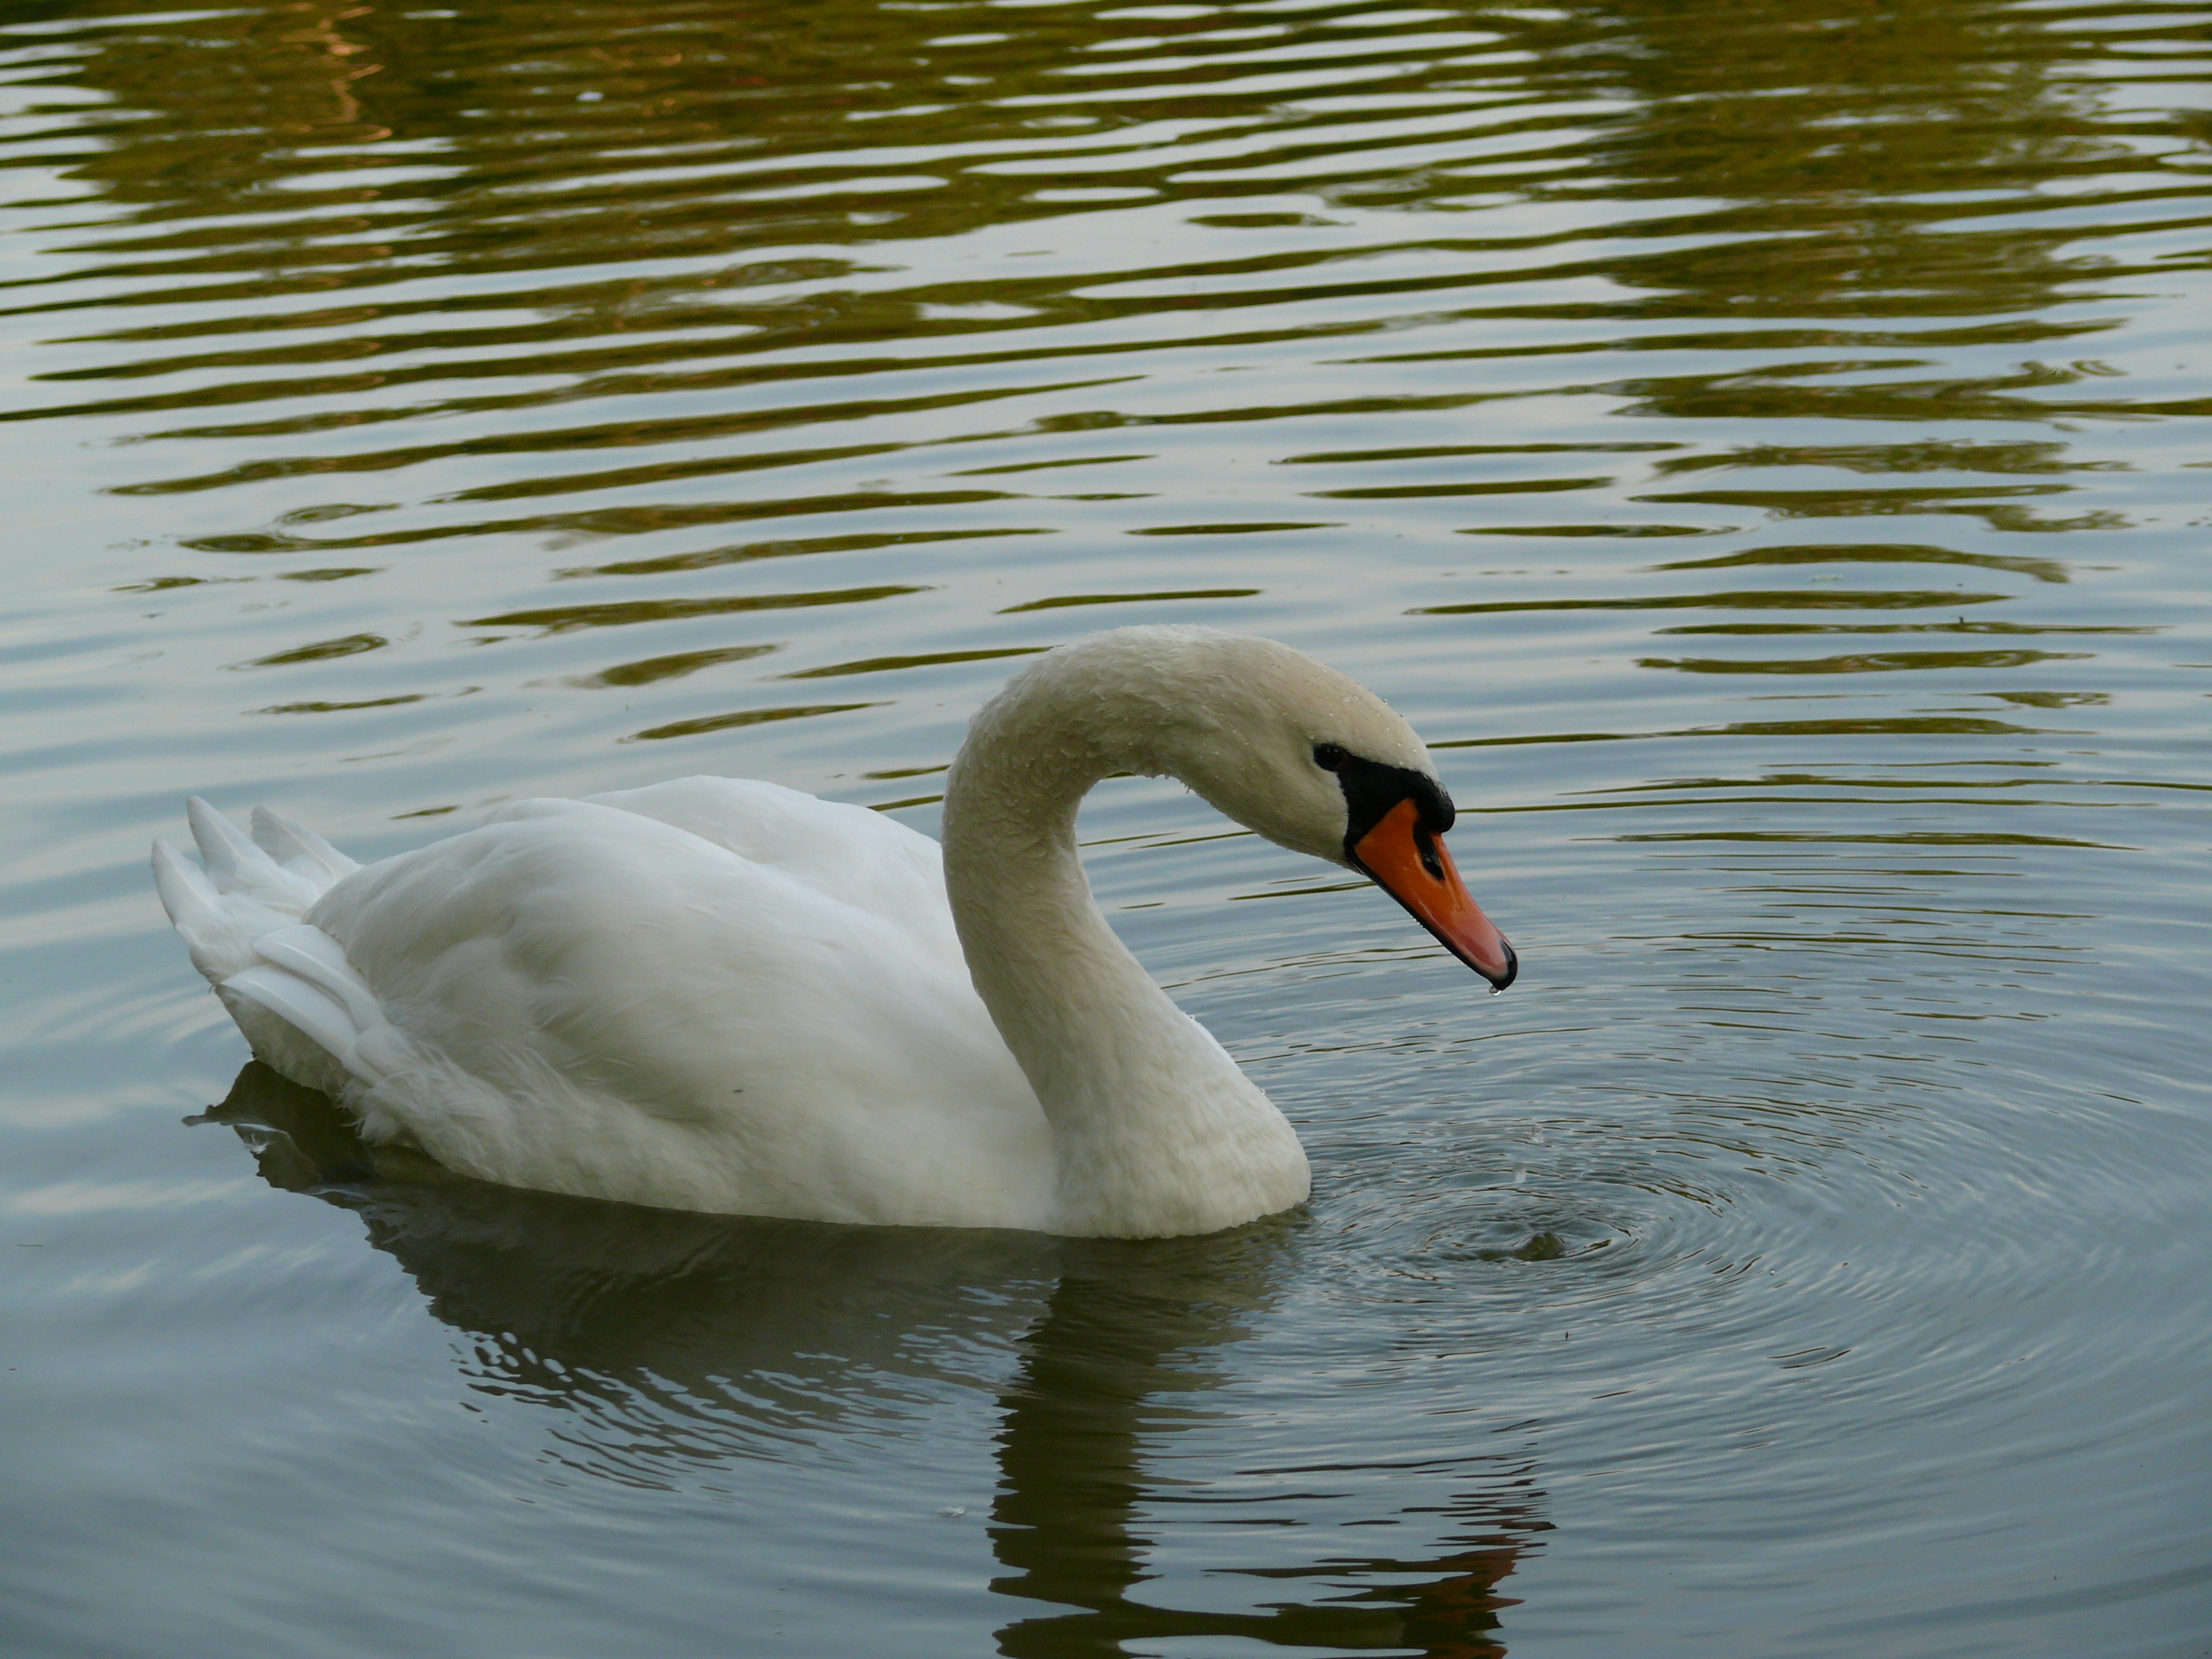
column 724, row 995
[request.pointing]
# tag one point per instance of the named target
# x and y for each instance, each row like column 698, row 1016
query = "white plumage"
column 726, row 995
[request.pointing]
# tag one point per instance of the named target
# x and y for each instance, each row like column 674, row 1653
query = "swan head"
column 1309, row 758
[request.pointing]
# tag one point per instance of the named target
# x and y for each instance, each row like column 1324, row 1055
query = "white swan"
column 722, row 995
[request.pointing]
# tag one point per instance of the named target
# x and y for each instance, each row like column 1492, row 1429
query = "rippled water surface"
column 1763, row 446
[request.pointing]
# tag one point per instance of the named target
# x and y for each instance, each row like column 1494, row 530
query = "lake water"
column 1764, row 447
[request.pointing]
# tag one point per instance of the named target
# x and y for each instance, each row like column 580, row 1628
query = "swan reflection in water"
column 673, row 1343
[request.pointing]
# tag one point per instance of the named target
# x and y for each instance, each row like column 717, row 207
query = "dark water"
column 1764, row 448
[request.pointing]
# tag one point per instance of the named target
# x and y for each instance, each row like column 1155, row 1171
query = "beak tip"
column 1511, row 971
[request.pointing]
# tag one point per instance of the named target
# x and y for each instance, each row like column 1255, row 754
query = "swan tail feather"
column 218, row 926
column 309, row 954
column 195, row 907
column 299, row 849
column 286, row 982
column 298, row 1004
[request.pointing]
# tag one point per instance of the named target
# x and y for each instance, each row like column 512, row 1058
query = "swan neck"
column 1155, row 1129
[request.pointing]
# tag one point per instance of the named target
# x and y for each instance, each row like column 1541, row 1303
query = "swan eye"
column 1330, row 757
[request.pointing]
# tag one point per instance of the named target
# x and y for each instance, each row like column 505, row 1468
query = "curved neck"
column 1155, row 1129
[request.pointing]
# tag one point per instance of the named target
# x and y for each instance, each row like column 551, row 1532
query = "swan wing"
column 851, row 854
column 603, row 1001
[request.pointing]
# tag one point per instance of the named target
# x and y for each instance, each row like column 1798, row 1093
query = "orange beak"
column 1410, row 863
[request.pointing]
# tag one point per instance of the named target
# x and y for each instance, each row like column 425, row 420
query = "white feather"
column 724, row 995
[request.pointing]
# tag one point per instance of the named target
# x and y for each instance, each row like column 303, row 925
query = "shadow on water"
column 669, row 1345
